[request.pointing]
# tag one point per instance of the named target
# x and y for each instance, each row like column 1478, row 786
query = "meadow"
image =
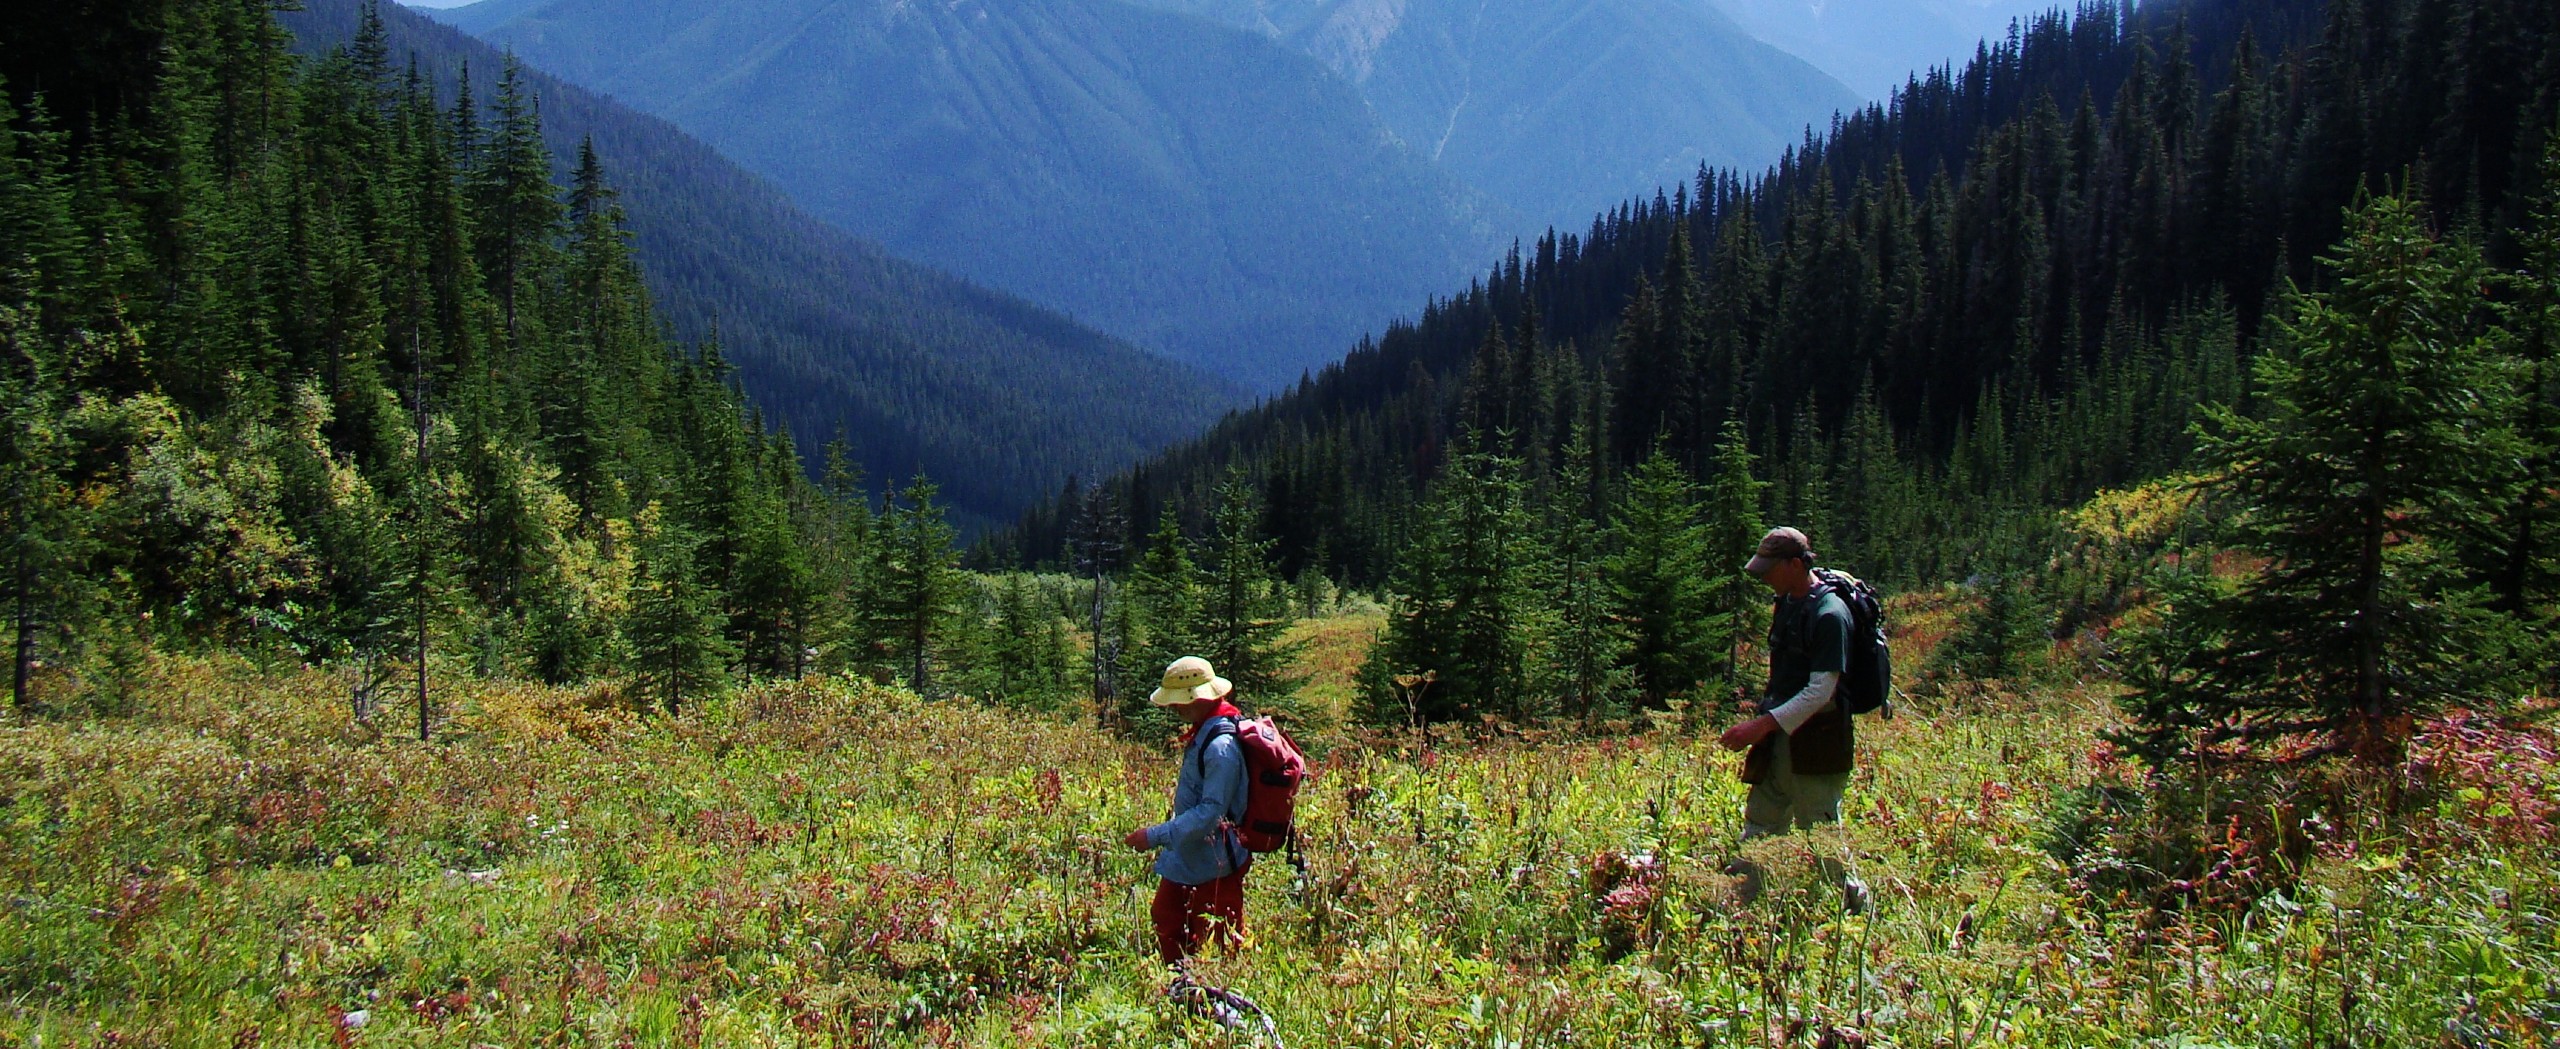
column 229, row 859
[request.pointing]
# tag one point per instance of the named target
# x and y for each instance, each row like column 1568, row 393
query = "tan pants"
column 1785, row 801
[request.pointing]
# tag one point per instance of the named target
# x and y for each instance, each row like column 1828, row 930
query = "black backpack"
column 1868, row 686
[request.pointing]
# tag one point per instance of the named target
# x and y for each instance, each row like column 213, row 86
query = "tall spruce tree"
column 1097, row 541
column 1658, row 575
column 917, row 583
column 1583, row 661
column 1025, row 660
column 1465, row 604
column 837, row 529
column 1244, row 609
column 675, row 634
column 2526, row 575
column 1159, row 619
column 1730, row 528
column 38, row 529
column 1992, row 639
column 518, row 210
column 2384, row 438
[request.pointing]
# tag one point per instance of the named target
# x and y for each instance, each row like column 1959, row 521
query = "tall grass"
column 233, row 863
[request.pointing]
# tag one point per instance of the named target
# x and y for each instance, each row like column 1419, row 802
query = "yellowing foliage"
column 2145, row 515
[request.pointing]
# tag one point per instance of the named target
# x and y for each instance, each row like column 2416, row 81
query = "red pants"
column 1186, row 916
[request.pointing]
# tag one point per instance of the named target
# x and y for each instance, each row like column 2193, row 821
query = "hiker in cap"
column 1801, row 738
column 1201, row 862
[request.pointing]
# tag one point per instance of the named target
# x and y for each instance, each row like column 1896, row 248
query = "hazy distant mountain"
column 998, row 399
column 1558, row 108
column 1197, row 188
column 1875, row 45
column 1564, row 107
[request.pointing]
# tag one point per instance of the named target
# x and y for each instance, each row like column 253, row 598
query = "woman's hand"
column 1137, row 839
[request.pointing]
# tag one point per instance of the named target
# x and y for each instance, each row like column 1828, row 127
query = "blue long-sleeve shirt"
column 1197, row 846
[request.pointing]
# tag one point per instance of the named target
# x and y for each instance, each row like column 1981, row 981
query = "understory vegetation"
column 232, row 861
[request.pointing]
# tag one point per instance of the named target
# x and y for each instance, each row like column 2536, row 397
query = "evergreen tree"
column 772, row 588
column 593, row 391
column 1584, row 654
column 38, row 530
column 1488, row 394
column 516, row 203
column 1658, row 575
column 1159, row 621
column 1730, row 529
column 1244, row 610
column 917, row 583
column 2383, row 440
column 836, row 530
column 351, row 607
column 1645, row 377
column 1690, row 401
column 1026, row 660
column 674, row 633
column 2526, row 576
column 1465, row 605
column 1096, row 540
column 1874, row 497
column 1992, row 639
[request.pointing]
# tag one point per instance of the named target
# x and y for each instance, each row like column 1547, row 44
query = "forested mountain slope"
column 1199, row 189
column 296, row 361
column 996, row 398
column 1557, row 107
column 2013, row 283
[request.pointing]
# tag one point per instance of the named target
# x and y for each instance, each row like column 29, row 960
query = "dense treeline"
column 301, row 360
column 2020, row 275
column 2011, row 286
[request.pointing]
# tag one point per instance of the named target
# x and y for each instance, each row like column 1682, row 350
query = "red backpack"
column 1273, row 770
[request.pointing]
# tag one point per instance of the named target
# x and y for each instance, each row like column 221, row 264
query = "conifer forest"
column 428, row 627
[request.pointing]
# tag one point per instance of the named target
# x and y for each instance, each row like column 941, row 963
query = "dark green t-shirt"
column 1806, row 635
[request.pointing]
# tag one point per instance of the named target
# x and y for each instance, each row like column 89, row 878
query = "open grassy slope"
column 228, row 861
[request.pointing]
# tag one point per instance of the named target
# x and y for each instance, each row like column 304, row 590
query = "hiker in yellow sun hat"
column 1201, row 863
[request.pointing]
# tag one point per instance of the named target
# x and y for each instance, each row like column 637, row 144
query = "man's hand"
column 1743, row 736
column 1137, row 839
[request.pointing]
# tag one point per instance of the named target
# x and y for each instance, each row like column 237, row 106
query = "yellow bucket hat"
column 1190, row 679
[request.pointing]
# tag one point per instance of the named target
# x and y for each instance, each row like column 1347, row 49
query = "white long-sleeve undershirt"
column 1814, row 699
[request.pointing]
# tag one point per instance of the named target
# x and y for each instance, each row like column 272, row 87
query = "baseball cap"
column 1781, row 544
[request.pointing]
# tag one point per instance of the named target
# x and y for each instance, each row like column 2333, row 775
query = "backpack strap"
column 1237, row 856
column 1209, row 731
column 1794, row 627
column 1211, row 728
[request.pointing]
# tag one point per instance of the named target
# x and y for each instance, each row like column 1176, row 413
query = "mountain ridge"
column 1233, row 203
column 1539, row 102
column 923, row 370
